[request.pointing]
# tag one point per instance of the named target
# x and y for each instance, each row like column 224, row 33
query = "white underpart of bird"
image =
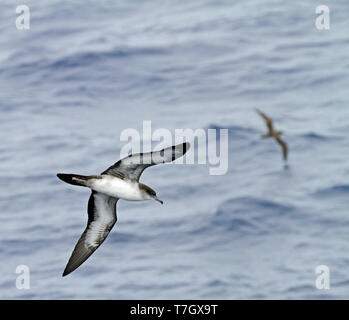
column 120, row 181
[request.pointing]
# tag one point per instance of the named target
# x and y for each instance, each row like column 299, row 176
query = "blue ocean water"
column 87, row 70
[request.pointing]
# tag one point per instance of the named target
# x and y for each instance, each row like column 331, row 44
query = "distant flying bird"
column 272, row 133
column 120, row 181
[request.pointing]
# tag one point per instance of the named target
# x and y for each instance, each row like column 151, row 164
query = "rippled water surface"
column 87, row 70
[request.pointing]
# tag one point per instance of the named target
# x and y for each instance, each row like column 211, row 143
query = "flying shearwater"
column 120, row 181
column 272, row 133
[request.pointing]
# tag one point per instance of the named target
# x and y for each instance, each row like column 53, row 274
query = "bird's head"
column 149, row 193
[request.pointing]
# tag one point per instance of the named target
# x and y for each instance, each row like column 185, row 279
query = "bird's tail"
column 74, row 179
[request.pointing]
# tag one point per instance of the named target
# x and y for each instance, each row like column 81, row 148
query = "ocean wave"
column 233, row 129
column 83, row 74
column 335, row 190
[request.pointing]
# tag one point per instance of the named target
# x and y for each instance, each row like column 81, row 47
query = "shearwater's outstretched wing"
column 284, row 147
column 132, row 166
column 267, row 120
column 101, row 219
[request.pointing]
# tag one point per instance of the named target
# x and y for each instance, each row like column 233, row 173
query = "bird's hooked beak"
column 158, row 200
